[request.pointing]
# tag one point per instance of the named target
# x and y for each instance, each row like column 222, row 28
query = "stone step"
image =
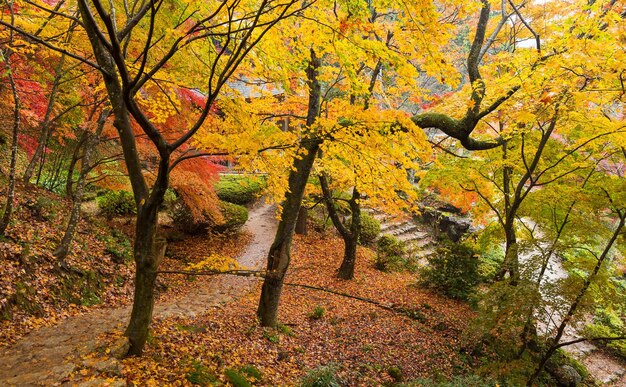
column 425, row 252
column 379, row 216
column 404, row 229
column 390, row 227
column 413, row 236
column 418, row 240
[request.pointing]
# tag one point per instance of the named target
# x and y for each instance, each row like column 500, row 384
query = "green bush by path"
column 238, row 189
column 117, row 203
column 390, row 254
column 453, row 270
column 370, row 228
column 235, row 216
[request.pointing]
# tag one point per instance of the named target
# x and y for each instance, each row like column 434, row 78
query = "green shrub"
column 235, row 216
column 319, row 218
column 370, row 228
column 169, row 199
column 117, row 203
column 607, row 323
column 453, row 270
column 251, row 371
column 395, row 372
column 490, row 262
column 317, row 313
column 238, row 189
column 271, row 336
column 201, row 375
column 325, row 376
column 390, row 254
column 235, row 378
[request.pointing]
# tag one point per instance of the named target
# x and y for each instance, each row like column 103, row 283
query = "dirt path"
column 40, row 357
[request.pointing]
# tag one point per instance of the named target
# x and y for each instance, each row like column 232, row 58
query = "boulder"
column 567, row 376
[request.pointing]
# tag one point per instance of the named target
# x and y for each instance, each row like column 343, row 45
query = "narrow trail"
column 40, row 357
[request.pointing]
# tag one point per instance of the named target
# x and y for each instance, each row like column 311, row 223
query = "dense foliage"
column 117, row 203
column 238, row 189
column 370, row 228
column 453, row 270
column 513, row 115
column 390, row 254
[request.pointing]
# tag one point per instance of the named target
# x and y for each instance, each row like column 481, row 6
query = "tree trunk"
column 350, row 236
column 346, row 270
column 301, row 223
column 69, row 183
column 510, row 264
column 148, row 252
column 145, row 250
column 64, row 247
column 89, row 141
column 279, row 255
column 8, row 207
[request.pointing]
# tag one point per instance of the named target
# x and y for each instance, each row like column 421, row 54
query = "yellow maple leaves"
column 215, row 262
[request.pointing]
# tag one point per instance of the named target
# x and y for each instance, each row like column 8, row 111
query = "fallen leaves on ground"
column 35, row 292
column 365, row 343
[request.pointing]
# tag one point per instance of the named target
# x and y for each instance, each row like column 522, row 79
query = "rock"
column 567, row 376
column 120, row 348
column 447, row 207
column 453, row 226
column 445, row 222
column 63, row 370
column 110, row 366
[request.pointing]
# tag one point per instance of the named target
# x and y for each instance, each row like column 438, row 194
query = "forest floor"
column 60, row 353
column 205, row 330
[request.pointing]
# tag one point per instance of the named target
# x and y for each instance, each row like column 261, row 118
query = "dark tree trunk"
column 346, row 270
column 350, row 236
column 69, row 183
column 351, row 239
column 148, row 252
column 301, row 223
column 279, row 254
column 8, row 207
column 510, row 264
column 145, row 251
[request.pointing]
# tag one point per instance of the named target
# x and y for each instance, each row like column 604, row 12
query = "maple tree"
column 526, row 109
column 130, row 63
column 560, row 141
column 338, row 126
